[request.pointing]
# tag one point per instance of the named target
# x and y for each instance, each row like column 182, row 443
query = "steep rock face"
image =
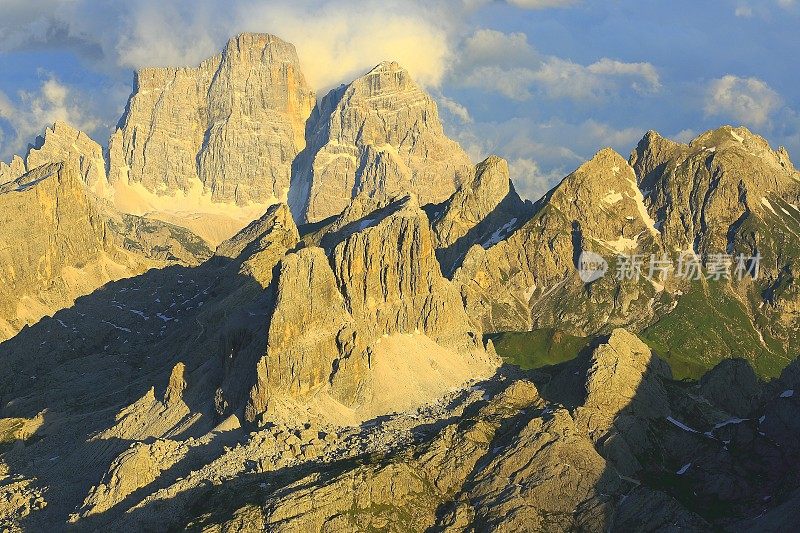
column 51, row 231
column 251, row 259
column 231, row 126
column 62, row 143
column 380, row 135
column 702, row 192
column 530, row 279
column 13, row 170
column 391, row 280
column 342, row 312
column 483, row 211
column 304, row 330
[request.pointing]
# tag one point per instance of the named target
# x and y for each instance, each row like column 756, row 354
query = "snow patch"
column 730, row 422
column 126, row 330
column 787, row 393
column 621, row 245
column 768, row 205
column 500, row 233
column 681, row 425
column 612, row 197
column 683, row 469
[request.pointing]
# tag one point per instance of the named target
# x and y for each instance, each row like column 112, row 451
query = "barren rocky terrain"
column 259, row 310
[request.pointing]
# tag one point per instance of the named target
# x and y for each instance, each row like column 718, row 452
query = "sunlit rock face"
column 232, row 126
column 381, row 135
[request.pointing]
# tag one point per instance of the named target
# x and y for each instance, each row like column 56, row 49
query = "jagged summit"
column 61, row 143
column 225, row 132
column 482, row 211
column 731, row 169
column 380, row 135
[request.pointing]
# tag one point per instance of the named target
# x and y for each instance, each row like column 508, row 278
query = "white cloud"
column 507, row 64
column 530, row 181
column 542, row 4
column 635, row 71
column 685, row 136
column 454, row 108
column 336, row 39
column 492, row 47
column 743, row 11
column 34, row 111
column 748, row 100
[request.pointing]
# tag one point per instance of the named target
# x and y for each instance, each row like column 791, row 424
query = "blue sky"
column 543, row 83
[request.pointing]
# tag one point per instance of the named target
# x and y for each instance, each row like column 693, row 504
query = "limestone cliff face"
column 233, row 125
column 53, row 238
column 391, row 280
column 12, row 170
column 531, row 278
column 700, row 191
column 377, row 276
column 483, row 211
column 304, row 330
column 380, row 135
column 61, row 143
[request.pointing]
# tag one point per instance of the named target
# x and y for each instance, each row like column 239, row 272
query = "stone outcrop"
column 230, row 127
column 378, row 135
column 530, row 279
column 377, row 276
column 624, row 390
column 733, row 386
column 135, row 469
column 156, row 240
column 62, row 143
column 260, row 245
column 12, row 170
column 482, row 211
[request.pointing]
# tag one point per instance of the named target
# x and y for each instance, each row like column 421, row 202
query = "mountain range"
column 256, row 309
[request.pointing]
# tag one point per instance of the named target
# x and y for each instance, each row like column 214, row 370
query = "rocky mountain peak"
column 482, row 211
column 697, row 192
column 13, row 170
column 379, row 135
column 226, row 131
column 492, row 180
column 603, row 196
column 62, row 142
